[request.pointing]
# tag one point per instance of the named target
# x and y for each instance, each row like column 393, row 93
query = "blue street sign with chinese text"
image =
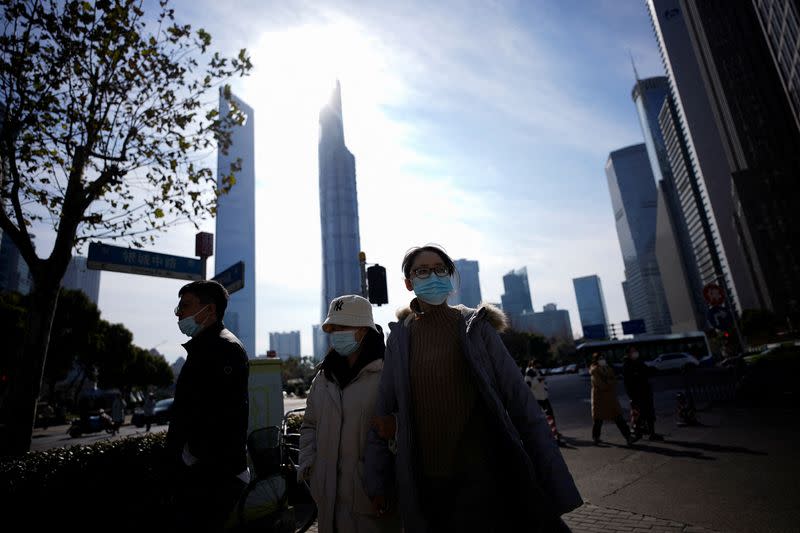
column 232, row 278
column 130, row 261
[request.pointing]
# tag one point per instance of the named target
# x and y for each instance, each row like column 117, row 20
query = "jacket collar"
column 209, row 332
column 496, row 317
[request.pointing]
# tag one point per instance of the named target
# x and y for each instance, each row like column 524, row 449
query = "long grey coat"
column 526, row 442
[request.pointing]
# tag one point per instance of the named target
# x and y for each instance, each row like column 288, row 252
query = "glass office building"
column 236, row 225
column 338, row 207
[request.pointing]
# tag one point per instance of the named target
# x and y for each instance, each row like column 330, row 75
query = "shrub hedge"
column 122, row 484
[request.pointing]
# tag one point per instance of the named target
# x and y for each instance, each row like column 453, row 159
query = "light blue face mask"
column 433, row 290
column 189, row 325
column 344, row 342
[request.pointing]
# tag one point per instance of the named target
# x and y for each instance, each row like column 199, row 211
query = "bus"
column 649, row 346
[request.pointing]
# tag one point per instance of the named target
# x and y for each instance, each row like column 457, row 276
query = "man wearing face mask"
column 207, row 435
column 339, row 408
column 637, row 385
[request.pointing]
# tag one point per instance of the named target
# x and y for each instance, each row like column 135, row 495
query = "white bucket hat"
column 349, row 310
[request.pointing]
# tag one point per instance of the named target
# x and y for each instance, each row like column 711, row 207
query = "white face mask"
column 602, row 362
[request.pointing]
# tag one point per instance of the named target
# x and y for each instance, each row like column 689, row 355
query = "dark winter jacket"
column 532, row 468
column 636, row 375
column 211, row 407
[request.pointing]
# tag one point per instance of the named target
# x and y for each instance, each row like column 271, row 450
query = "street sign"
column 713, row 294
column 634, row 327
column 204, row 244
column 595, row 331
column 719, row 317
column 232, row 278
column 130, row 261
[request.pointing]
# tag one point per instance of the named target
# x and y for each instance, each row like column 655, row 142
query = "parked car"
column 673, row 361
column 161, row 413
column 571, row 369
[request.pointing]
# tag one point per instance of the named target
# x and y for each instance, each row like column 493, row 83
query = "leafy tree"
column 146, row 369
column 105, row 120
column 760, row 325
column 525, row 346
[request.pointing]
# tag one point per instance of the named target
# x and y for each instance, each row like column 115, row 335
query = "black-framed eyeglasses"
column 425, row 272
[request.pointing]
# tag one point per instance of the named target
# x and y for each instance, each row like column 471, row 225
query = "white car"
column 673, row 361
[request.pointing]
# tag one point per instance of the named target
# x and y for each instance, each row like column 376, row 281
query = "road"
column 569, row 395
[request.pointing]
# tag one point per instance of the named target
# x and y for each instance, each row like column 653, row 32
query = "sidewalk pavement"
column 591, row 518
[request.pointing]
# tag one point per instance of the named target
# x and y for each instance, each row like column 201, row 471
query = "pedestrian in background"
column 149, row 410
column 605, row 405
column 473, row 449
column 118, row 412
column 340, row 405
column 207, row 435
column 636, row 376
column 538, row 385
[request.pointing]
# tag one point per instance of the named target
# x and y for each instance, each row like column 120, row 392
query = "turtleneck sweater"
column 443, row 395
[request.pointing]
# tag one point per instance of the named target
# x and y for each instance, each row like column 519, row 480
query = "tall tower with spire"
column 338, row 207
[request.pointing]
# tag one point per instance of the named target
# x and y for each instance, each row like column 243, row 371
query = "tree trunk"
column 19, row 409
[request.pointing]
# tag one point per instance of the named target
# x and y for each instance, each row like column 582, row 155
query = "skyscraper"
column 761, row 141
column 591, row 303
column 780, row 22
column 469, row 291
column 517, row 297
column 674, row 252
column 236, row 227
column 634, row 200
column 285, row 344
column 703, row 177
column 338, row 207
column 79, row 277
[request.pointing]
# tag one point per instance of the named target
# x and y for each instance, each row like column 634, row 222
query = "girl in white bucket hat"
column 340, row 404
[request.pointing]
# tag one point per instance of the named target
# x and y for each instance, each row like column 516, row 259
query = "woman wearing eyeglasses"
column 473, row 450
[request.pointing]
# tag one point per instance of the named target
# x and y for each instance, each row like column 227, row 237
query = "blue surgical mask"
column 433, row 290
column 189, row 325
column 344, row 342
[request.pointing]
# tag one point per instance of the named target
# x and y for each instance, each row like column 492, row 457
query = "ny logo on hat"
column 338, row 305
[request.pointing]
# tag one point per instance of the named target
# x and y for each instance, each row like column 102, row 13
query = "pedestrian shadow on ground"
column 715, row 447
column 573, row 443
column 667, row 452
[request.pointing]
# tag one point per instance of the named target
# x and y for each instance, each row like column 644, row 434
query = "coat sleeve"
column 379, row 459
column 528, row 418
column 308, row 433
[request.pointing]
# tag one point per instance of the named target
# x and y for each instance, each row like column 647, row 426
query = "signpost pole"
column 362, row 261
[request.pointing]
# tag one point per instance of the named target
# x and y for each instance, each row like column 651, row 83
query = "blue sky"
column 482, row 126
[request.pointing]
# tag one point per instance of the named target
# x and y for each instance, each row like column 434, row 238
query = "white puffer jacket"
column 535, row 380
column 333, row 439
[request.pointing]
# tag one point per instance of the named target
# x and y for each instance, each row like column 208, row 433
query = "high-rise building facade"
column 285, row 344
column 761, row 140
column 79, row 277
column 634, row 200
column 338, row 208
column 15, row 276
column 517, row 297
column 468, row 291
column 780, row 21
column 674, row 252
column 320, row 340
column 236, row 224
column 720, row 258
column 551, row 323
column 591, row 302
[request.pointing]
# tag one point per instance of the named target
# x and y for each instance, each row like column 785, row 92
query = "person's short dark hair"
column 412, row 254
column 208, row 292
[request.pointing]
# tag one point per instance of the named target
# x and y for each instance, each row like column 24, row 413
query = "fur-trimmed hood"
column 495, row 316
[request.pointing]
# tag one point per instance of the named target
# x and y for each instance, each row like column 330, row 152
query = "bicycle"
column 305, row 510
column 274, row 500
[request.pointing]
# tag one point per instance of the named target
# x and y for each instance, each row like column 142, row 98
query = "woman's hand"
column 386, row 426
column 379, row 505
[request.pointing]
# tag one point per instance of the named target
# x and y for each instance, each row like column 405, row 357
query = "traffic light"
column 376, row 285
